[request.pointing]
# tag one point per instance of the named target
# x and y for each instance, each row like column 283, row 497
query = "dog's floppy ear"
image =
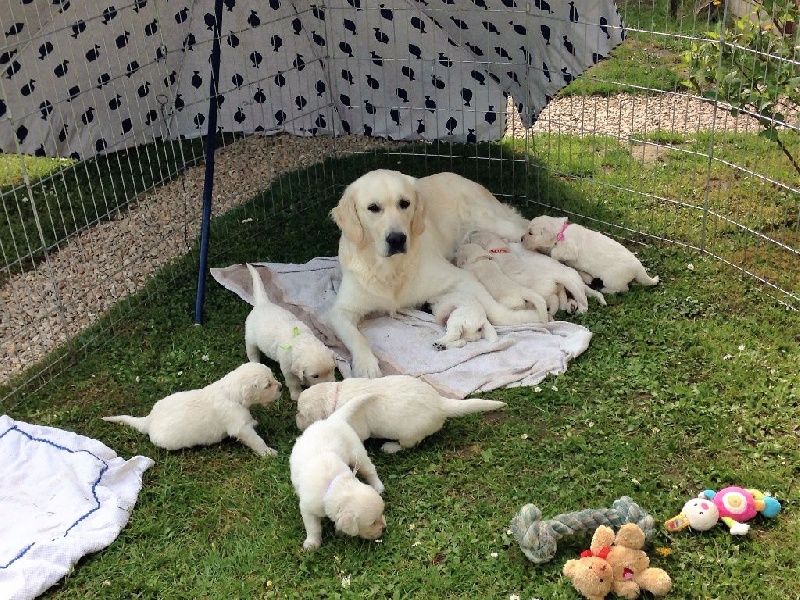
column 346, row 521
column 346, row 218
column 418, row 218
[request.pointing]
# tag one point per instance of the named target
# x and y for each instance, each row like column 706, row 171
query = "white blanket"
column 62, row 495
column 522, row 355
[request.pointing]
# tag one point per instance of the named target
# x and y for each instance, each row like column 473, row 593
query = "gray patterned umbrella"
column 81, row 78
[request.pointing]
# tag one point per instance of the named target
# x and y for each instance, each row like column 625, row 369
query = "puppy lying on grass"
column 587, row 251
column 208, row 415
column 324, row 463
column 505, row 290
column 402, row 408
column 282, row 337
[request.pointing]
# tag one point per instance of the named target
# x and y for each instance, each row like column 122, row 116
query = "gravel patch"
column 40, row 309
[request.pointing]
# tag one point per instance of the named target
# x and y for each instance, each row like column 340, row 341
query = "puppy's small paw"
column 391, row 447
column 572, row 307
column 312, row 544
column 377, row 485
column 269, row 452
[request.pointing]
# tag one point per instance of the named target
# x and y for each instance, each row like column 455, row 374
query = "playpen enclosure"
column 91, row 216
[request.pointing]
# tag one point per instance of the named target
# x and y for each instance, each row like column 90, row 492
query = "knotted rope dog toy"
column 538, row 539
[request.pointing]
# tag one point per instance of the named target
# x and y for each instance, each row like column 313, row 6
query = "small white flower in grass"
column 635, row 481
column 727, row 357
column 137, row 379
column 346, row 581
column 741, row 347
column 524, row 436
column 415, row 544
column 690, row 266
column 514, row 597
column 248, row 220
column 537, row 389
column 412, row 527
column 555, row 388
column 509, row 532
column 205, row 358
column 494, row 555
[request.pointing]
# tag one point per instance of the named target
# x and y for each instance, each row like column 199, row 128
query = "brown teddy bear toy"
column 616, row 565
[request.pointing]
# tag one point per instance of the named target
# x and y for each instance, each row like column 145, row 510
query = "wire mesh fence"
column 88, row 217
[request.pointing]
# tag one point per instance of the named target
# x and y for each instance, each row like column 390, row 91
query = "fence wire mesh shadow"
column 103, row 113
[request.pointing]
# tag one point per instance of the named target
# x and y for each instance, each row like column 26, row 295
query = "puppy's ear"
column 346, row 218
column 418, row 218
column 346, row 521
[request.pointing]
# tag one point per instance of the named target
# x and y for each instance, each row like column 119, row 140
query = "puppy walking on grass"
column 324, row 463
column 210, row 414
column 402, row 408
column 282, row 337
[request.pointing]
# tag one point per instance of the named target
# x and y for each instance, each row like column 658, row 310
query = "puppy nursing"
column 324, row 463
column 282, row 337
column 588, row 251
column 545, row 275
column 401, row 408
column 208, row 415
column 505, row 290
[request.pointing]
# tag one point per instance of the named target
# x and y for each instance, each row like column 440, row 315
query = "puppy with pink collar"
column 588, row 251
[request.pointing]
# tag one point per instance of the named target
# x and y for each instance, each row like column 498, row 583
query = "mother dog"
column 398, row 233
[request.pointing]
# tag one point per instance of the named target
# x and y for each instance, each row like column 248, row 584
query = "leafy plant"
column 752, row 65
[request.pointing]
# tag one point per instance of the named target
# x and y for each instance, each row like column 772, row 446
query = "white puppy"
column 282, row 337
column 324, row 462
column 541, row 273
column 403, row 408
column 208, row 415
column 505, row 290
column 588, row 251
column 464, row 320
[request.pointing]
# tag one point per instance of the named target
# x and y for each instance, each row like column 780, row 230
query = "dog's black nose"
column 396, row 242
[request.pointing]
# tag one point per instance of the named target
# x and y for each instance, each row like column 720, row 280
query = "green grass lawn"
column 689, row 385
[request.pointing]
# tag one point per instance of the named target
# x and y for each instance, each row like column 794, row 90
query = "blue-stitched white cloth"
column 62, row 495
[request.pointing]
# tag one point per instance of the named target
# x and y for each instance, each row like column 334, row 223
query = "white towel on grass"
column 522, row 355
column 62, row 495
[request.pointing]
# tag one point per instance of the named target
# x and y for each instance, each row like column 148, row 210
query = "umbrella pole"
column 208, row 184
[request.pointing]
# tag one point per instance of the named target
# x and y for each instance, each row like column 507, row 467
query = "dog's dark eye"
column 374, row 208
column 404, row 203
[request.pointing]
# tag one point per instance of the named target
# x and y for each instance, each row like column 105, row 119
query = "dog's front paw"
column 268, row 452
column 366, row 367
column 377, row 485
column 312, row 543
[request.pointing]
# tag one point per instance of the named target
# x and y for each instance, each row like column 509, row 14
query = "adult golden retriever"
column 398, row 234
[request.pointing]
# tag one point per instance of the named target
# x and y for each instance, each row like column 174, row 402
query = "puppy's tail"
column 138, row 423
column 259, row 293
column 353, row 406
column 457, row 408
column 645, row 279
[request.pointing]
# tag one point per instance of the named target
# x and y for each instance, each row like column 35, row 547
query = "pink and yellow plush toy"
column 731, row 505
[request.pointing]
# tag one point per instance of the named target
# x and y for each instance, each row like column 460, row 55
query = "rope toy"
column 537, row 539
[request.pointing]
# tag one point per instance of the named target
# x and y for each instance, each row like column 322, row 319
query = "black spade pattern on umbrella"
column 96, row 76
